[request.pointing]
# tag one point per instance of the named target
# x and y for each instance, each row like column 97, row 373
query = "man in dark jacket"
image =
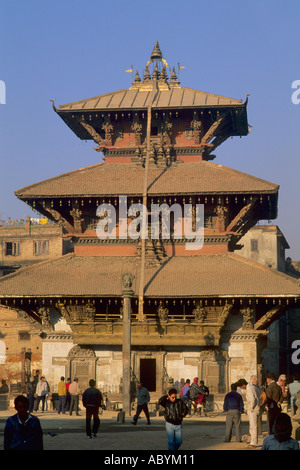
column 233, row 406
column 92, row 400
column 143, row 398
column 22, row 430
column 274, row 399
column 175, row 410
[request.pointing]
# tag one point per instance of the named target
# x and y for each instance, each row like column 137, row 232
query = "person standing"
column 285, row 393
column 92, row 400
column 23, row 431
column 241, row 387
column 185, row 389
column 253, row 394
column 195, row 392
column 274, row 398
column 204, row 391
column 30, row 389
column 4, row 387
column 36, row 378
column 68, row 400
column 185, row 394
column 62, row 396
column 74, row 390
column 47, row 395
column 204, row 388
column 175, row 410
column 143, row 398
column 41, row 393
column 234, row 407
column 181, row 385
column 294, row 388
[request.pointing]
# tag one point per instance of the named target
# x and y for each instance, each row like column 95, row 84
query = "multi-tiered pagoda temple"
column 203, row 312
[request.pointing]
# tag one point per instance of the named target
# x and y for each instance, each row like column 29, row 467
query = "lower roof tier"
column 105, row 179
column 226, row 275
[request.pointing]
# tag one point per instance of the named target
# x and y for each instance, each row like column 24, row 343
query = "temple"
column 203, row 311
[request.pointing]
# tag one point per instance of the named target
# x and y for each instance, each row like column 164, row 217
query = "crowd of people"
column 23, row 430
column 274, row 398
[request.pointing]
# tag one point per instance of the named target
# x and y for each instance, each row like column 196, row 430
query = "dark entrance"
column 148, row 374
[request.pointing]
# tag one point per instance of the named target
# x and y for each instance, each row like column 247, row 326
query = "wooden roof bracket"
column 95, row 136
column 244, row 212
column 269, row 317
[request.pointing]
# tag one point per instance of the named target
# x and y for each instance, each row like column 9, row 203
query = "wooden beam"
column 95, row 136
column 236, row 223
column 225, row 312
column 212, row 130
column 269, row 317
column 55, row 215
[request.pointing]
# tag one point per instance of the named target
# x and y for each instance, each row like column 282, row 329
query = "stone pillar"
column 243, row 346
column 127, row 280
column 243, row 354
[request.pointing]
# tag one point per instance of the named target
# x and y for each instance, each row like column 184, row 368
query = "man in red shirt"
column 68, row 400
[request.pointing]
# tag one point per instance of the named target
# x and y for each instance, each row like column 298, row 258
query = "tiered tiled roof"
column 113, row 179
column 227, row 275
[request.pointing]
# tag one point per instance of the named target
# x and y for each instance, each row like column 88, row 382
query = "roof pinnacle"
column 156, row 53
column 159, row 72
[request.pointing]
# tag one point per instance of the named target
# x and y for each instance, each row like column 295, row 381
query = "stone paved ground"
column 198, row 433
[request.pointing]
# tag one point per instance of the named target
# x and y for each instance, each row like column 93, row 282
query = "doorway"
column 148, row 374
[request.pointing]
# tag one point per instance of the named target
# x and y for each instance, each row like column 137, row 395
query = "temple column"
column 243, row 348
column 127, row 279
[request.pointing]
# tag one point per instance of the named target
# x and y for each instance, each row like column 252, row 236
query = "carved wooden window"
column 41, row 247
column 12, row 248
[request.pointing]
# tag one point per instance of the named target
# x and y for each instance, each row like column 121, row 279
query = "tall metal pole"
column 141, row 317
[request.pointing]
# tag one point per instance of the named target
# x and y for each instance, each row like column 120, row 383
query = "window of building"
column 12, row 248
column 254, row 245
column 24, row 336
column 41, row 247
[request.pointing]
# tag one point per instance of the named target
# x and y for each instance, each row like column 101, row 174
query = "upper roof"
column 159, row 89
column 125, row 179
column 140, row 98
column 227, row 275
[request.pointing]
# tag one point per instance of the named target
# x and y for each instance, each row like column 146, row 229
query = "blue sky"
column 71, row 50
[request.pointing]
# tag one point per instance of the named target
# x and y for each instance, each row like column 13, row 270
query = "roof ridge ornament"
column 159, row 73
column 156, row 53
